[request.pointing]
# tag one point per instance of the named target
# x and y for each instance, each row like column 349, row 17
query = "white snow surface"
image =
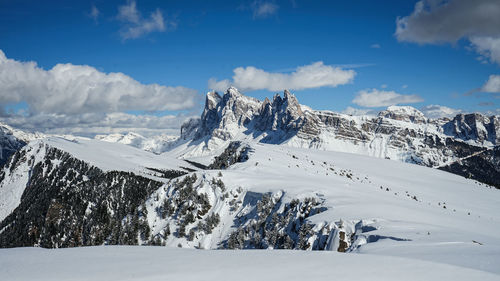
column 156, row 144
column 426, row 224
column 110, row 156
column 162, row 263
column 450, row 220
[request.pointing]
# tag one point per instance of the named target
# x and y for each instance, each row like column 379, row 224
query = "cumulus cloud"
column 375, row 46
column 75, row 89
column 440, row 21
column 314, row 75
column 492, row 85
column 378, row 98
column 435, row 111
column 487, row 47
column 90, row 124
column 136, row 26
column 262, row 9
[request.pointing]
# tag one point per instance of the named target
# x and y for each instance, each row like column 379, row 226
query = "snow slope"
column 104, row 155
column 440, row 223
column 110, row 156
column 422, row 221
column 160, row 263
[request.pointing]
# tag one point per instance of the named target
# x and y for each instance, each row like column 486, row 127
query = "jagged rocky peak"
column 474, row 126
column 404, row 113
column 224, row 116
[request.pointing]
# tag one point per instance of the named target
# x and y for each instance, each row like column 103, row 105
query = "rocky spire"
column 226, row 116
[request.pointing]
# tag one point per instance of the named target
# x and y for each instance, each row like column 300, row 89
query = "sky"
column 98, row 67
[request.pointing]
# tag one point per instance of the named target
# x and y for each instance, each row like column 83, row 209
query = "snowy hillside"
column 266, row 175
column 268, row 196
column 156, row 263
column 18, row 172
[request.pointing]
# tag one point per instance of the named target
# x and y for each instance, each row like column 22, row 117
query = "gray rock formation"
column 400, row 132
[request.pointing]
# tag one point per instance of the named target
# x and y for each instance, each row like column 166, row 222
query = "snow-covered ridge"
column 399, row 133
column 107, row 157
column 404, row 113
column 281, row 197
column 155, row 144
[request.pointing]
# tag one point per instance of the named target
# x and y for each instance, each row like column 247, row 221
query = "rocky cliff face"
column 400, row 132
column 9, row 143
column 227, row 116
column 475, row 127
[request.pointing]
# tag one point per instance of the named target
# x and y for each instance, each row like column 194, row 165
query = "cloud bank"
column 91, row 124
column 80, row 99
column 439, row 21
column 378, row 98
column 310, row 76
column 74, row 89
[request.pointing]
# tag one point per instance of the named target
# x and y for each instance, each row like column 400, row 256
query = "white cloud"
column 94, row 13
column 219, row 86
column 492, row 85
column 90, row 124
column 435, row 111
column 76, row 89
column 378, row 98
column 263, row 9
column 487, row 47
column 314, row 75
column 359, row 111
column 128, row 12
column 383, row 86
column 136, row 26
column 375, row 46
column 438, row 21
column 492, row 112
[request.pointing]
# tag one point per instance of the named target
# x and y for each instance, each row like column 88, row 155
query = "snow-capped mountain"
column 155, row 144
column 400, row 132
column 11, row 140
column 253, row 174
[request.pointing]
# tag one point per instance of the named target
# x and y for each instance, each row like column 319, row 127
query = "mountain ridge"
column 400, row 133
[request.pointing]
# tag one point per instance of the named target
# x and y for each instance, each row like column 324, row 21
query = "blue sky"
column 209, row 39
